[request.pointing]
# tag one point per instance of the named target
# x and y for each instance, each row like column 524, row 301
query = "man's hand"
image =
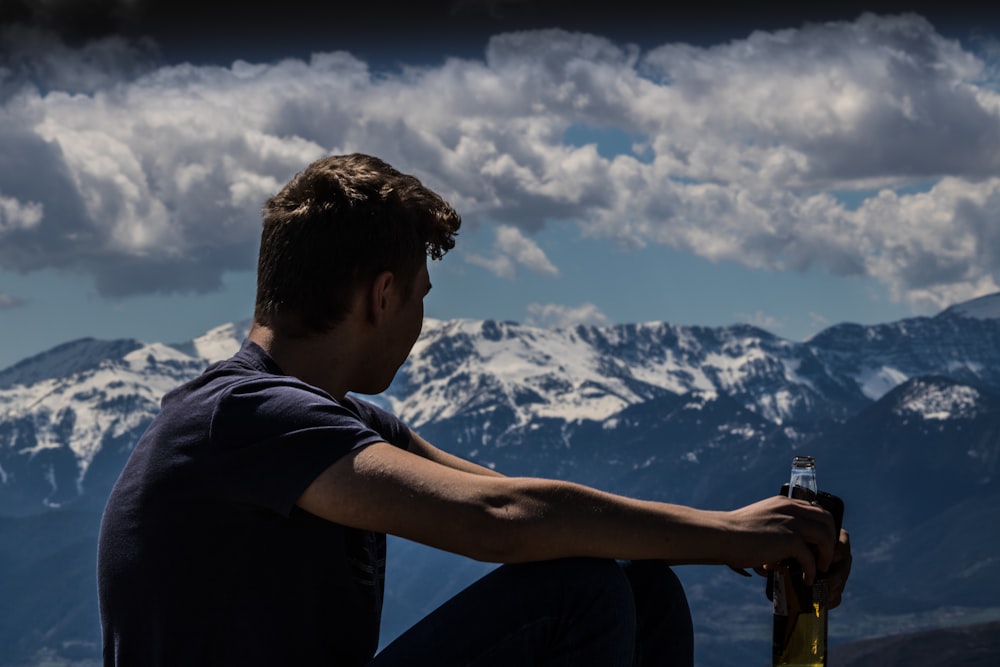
column 776, row 529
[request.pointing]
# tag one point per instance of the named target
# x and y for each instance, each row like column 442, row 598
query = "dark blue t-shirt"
column 204, row 558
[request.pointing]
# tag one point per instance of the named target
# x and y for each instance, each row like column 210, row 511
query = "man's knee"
column 603, row 589
column 601, row 614
column 598, row 576
column 586, row 586
column 655, row 580
column 665, row 632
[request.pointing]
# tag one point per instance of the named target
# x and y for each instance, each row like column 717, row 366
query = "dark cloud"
column 388, row 31
column 75, row 21
column 199, row 273
column 32, row 56
column 33, row 170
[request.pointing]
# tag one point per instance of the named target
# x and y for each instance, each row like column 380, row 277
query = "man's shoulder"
column 249, row 366
column 248, row 395
column 250, row 360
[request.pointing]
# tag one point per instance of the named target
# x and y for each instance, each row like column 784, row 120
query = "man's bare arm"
column 422, row 448
column 508, row 519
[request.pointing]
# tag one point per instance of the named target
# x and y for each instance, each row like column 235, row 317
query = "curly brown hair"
column 337, row 224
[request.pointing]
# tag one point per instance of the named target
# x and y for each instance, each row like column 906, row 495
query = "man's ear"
column 379, row 296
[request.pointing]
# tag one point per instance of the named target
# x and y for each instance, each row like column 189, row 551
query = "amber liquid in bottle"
column 800, row 621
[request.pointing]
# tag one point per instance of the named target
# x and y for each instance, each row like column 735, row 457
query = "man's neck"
column 322, row 360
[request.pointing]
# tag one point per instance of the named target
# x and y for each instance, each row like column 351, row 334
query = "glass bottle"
column 800, row 611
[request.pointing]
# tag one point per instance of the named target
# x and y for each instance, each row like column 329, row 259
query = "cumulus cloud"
column 34, row 55
column 556, row 316
column 868, row 148
column 16, row 215
column 512, row 249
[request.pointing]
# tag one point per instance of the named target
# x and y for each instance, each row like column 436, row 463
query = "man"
column 248, row 527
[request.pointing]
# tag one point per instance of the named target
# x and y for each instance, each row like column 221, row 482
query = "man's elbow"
column 503, row 533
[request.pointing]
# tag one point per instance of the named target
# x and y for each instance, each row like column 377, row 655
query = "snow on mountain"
column 877, row 358
column 875, row 382
column 984, row 308
column 475, row 368
column 932, row 401
column 457, row 365
column 86, row 393
column 460, row 366
column 64, row 360
column 510, row 378
column 695, row 415
column 104, row 399
column 216, row 344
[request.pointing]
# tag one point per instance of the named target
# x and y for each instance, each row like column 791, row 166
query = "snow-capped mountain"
column 903, row 417
column 984, row 308
column 60, row 409
column 462, row 367
column 503, row 380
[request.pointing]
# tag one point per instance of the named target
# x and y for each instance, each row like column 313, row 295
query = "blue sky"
column 785, row 169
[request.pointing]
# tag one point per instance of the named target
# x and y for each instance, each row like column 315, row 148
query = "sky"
column 612, row 162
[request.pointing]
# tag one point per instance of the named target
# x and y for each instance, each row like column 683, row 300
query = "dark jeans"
column 564, row 613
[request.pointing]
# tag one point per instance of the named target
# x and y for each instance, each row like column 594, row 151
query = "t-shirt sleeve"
column 270, row 439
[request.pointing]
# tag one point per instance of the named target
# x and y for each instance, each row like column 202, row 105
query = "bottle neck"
column 803, row 478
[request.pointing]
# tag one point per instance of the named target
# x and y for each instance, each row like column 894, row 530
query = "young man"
column 248, row 527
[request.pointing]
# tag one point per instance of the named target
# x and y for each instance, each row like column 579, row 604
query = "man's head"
column 335, row 226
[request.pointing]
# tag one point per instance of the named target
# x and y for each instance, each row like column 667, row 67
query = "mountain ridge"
column 903, row 417
column 503, row 377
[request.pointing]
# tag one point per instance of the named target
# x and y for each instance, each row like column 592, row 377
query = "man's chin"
column 373, row 389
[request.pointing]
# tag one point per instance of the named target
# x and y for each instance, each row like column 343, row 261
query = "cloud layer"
column 863, row 148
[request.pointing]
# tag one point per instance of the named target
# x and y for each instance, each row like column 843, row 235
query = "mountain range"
column 902, row 417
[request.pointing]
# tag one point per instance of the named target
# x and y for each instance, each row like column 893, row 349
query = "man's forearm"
column 539, row 519
column 426, row 450
column 535, row 519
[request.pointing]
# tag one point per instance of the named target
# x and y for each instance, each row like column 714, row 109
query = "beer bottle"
column 800, row 623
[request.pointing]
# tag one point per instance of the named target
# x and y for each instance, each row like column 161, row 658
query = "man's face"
column 403, row 321
column 411, row 310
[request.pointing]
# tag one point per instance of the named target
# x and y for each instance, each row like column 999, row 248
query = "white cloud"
column 10, row 301
column 151, row 178
column 512, row 249
column 937, row 247
column 15, row 215
column 556, row 316
column 499, row 265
